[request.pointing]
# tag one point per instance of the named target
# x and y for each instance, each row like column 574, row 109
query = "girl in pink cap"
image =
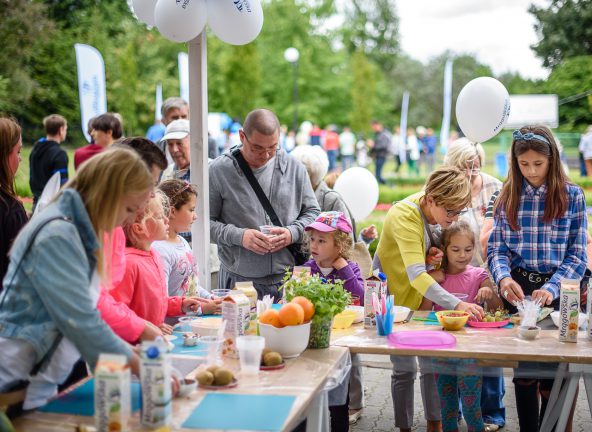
column 330, row 244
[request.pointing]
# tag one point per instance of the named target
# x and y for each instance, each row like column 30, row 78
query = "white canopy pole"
column 198, row 117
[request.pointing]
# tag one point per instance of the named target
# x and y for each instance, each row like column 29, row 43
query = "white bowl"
column 186, row 387
column 206, row 326
column 401, row 313
column 581, row 319
column 289, row 341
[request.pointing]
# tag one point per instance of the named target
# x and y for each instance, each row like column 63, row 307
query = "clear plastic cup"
column 220, row 293
column 250, row 349
column 461, row 296
column 184, row 325
column 265, row 229
column 213, row 344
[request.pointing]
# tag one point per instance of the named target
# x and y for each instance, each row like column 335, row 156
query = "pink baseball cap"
column 331, row 221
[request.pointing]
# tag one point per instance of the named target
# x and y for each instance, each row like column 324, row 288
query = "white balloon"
column 236, row 22
column 482, row 108
column 180, row 20
column 144, row 10
column 359, row 189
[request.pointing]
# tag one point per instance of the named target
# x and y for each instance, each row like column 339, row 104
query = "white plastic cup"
column 250, row 349
column 213, row 344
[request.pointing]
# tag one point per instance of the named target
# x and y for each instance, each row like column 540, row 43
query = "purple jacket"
column 350, row 275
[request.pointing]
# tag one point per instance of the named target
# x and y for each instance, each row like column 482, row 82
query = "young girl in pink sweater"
column 143, row 287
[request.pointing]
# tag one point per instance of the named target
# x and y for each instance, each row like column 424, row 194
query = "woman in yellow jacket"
column 401, row 255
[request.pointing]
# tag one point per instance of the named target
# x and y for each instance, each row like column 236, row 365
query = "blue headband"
column 519, row 136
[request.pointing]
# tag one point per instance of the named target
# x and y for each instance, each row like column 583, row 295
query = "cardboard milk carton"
column 112, row 393
column 236, row 311
column 569, row 310
column 155, row 379
column 249, row 290
column 374, row 284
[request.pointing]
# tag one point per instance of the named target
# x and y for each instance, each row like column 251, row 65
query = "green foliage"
column 241, row 69
column 329, row 299
column 569, row 78
column 363, row 91
column 564, row 29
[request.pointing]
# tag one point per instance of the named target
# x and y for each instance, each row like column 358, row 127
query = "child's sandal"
column 490, row 427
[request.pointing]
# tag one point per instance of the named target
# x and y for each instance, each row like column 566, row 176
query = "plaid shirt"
column 558, row 247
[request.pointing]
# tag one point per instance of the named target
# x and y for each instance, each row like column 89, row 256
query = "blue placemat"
column 250, row 412
column 81, row 400
column 432, row 316
column 200, row 350
column 276, row 306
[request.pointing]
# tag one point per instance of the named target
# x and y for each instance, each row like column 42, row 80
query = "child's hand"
column 437, row 275
column 435, row 256
column 150, row 332
column 166, row 329
column 190, row 304
column 369, row 233
column 210, row 307
column 339, row 263
column 485, row 294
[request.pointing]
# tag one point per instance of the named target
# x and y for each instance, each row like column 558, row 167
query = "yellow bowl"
column 344, row 319
column 452, row 320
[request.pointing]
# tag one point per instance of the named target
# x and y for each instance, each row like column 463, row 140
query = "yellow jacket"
column 402, row 253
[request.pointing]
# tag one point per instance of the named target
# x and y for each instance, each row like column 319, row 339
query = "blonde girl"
column 143, row 287
column 48, row 306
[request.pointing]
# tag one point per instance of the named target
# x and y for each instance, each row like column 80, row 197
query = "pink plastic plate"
column 423, row 340
column 495, row 324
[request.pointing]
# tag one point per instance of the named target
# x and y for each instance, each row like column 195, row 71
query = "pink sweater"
column 144, row 288
column 122, row 320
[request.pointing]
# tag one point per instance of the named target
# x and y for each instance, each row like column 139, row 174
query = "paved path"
column 378, row 415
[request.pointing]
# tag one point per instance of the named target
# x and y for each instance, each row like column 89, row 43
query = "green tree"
column 572, row 77
column 242, row 75
column 363, row 92
column 564, row 29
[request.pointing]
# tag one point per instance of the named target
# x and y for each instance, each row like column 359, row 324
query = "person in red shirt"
column 332, row 146
column 104, row 130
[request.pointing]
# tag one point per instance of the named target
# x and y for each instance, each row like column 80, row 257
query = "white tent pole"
column 198, row 117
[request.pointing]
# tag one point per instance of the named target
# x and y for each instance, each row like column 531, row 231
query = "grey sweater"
column 234, row 208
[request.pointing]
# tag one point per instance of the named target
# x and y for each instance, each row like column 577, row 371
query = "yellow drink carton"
column 236, row 311
column 569, row 310
column 247, row 289
column 112, row 393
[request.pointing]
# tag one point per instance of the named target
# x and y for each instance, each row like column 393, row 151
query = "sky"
column 498, row 32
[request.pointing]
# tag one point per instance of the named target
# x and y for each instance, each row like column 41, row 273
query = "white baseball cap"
column 177, row 129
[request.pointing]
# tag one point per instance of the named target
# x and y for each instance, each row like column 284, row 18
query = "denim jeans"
column 332, row 156
column 492, row 397
column 380, row 160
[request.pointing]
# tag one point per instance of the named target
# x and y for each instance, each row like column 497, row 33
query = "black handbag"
column 300, row 256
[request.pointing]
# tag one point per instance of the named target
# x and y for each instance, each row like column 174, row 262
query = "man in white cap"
column 178, row 145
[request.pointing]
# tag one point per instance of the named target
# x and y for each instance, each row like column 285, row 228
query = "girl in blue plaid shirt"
column 538, row 239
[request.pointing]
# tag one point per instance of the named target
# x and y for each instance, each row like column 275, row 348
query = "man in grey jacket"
column 246, row 254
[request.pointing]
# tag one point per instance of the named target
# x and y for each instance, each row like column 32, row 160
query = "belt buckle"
column 534, row 277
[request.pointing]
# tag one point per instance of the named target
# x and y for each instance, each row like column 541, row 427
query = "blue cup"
column 384, row 324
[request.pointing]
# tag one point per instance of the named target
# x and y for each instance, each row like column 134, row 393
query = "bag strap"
column 351, row 216
column 37, row 367
column 242, row 163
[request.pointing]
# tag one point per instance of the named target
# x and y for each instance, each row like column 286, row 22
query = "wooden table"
column 500, row 347
column 303, row 377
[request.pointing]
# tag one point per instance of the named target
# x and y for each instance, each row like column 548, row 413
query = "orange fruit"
column 307, row 306
column 291, row 314
column 271, row 317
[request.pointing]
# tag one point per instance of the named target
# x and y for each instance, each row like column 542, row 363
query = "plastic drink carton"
column 247, row 289
column 236, row 311
column 569, row 310
column 112, row 393
column 155, row 380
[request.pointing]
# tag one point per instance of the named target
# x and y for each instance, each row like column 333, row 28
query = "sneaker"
column 490, row 427
column 354, row 415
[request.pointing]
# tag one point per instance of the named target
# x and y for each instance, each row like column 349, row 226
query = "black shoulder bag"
column 300, row 257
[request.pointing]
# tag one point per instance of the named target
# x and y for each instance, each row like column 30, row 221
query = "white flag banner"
column 158, row 105
column 184, row 75
column 403, row 127
column 445, row 130
column 91, row 84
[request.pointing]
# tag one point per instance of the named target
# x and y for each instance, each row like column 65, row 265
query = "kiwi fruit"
column 205, row 377
column 272, row 359
column 265, row 351
column 223, row 377
column 212, row 369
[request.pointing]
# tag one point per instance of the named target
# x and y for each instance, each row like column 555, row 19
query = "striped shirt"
column 558, row 247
